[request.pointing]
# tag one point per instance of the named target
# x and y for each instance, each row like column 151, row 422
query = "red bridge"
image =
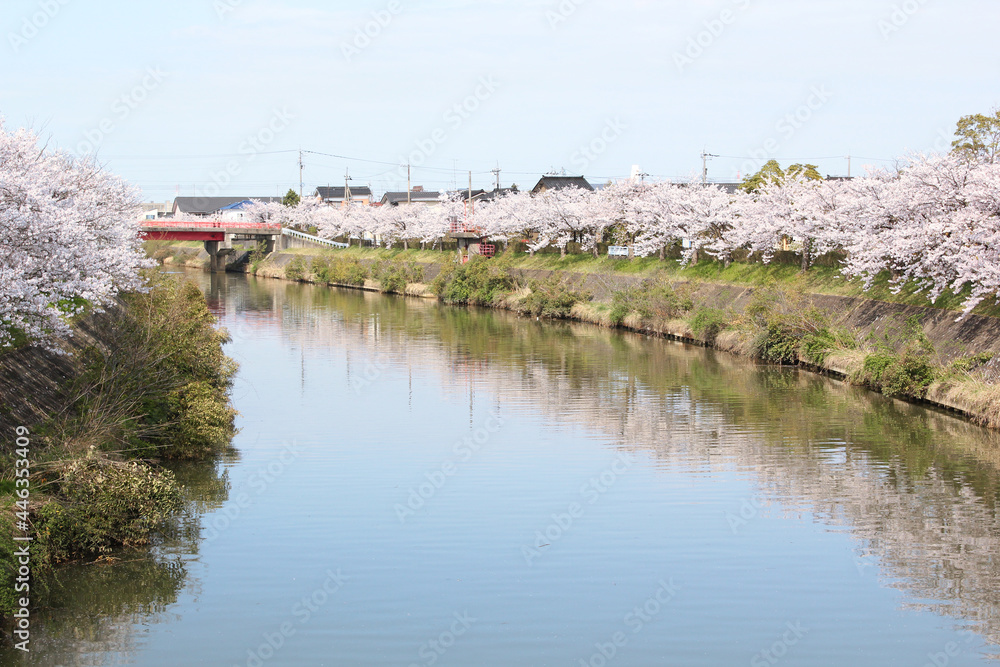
column 218, row 235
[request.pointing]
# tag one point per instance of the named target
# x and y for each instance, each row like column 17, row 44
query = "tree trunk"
column 562, row 252
column 805, row 255
column 406, row 244
column 663, row 252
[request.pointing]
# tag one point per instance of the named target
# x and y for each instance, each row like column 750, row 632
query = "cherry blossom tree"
column 69, row 237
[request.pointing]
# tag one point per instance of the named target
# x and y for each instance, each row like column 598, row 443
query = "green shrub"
column 257, row 256
column 905, row 374
column 707, row 323
column 202, row 421
column 296, row 270
column 98, row 505
column 160, row 370
column 414, row 272
column 479, row 282
column 901, row 363
column 971, row 363
column 340, row 271
column 552, row 298
column 653, row 298
column 391, row 277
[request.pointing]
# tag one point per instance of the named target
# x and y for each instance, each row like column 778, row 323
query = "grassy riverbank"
column 146, row 381
column 900, row 344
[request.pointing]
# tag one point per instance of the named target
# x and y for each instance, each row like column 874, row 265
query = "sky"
column 218, row 97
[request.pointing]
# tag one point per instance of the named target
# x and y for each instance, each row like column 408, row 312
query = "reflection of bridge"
column 217, row 235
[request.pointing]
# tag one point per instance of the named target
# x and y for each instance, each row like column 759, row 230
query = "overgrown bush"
column 972, row 362
column 391, row 277
column 158, row 384
column 707, row 323
column 97, row 505
column 257, row 256
column 552, row 298
column 296, row 269
column 901, row 364
column 782, row 325
column 154, row 383
column 479, row 282
column 653, row 298
column 340, row 271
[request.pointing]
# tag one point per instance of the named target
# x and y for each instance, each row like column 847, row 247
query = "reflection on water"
column 735, row 465
column 95, row 609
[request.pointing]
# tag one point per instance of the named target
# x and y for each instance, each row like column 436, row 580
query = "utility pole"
column 301, row 167
column 347, row 189
column 642, row 177
column 407, row 182
column 705, row 155
column 496, row 172
column 848, row 166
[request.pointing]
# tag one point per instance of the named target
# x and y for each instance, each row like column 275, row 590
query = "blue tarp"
column 237, row 206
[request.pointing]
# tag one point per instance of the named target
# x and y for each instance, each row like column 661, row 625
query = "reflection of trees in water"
column 917, row 488
column 92, row 608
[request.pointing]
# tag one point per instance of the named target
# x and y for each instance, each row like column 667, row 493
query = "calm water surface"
column 416, row 484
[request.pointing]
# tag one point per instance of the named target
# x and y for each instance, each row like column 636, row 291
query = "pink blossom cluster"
column 69, row 237
column 934, row 222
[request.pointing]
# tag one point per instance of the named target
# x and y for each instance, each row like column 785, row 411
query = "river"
column 418, row 484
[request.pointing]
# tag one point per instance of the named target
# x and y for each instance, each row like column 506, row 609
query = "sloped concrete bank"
column 953, row 338
column 35, row 384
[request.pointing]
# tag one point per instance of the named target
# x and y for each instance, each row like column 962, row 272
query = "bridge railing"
column 314, row 239
column 212, row 224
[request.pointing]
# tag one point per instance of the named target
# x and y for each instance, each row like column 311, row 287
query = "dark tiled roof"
column 327, row 193
column 400, row 197
column 560, row 182
column 480, row 195
column 209, row 205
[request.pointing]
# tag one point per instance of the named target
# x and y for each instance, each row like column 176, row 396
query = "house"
column 416, row 196
column 551, row 182
column 340, row 196
column 206, row 207
column 155, row 210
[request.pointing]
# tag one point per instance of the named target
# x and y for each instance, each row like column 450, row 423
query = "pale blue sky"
column 202, row 76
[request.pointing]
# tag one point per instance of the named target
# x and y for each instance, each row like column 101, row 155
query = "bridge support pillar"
column 217, row 253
